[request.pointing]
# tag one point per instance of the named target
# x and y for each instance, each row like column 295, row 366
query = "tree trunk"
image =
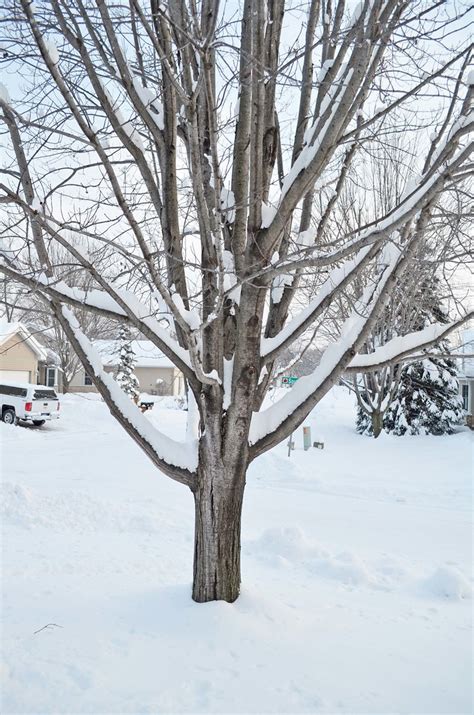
column 218, row 510
column 377, row 423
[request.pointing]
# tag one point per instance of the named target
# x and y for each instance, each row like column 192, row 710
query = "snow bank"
column 287, row 542
column 338, row 546
column 448, row 582
column 289, row 545
column 68, row 512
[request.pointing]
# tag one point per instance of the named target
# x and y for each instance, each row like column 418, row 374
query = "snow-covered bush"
column 424, row 395
column 428, row 400
column 363, row 422
column 125, row 375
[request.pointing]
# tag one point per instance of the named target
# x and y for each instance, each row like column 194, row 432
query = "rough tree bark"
column 377, row 422
column 218, row 512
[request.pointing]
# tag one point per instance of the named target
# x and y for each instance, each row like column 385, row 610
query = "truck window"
column 44, row 395
column 12, row 390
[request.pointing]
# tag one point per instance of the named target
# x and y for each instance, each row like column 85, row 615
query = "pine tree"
column 375, row 390
column 427, row 399
column 125, row 375
column 363, row 422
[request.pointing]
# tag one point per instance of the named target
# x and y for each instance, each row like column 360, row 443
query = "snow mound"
column 448, row 582
column 346, row 568
column 289, row 545
column 69, row 511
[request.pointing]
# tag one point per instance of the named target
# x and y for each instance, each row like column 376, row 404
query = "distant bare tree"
column 29, row 306
column 387, row 171
column 200, row 153
column 53, row 337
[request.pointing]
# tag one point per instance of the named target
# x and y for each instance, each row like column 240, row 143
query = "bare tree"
column 387, row 171
column 30, row 307
column 41, row 321
column 200, row 152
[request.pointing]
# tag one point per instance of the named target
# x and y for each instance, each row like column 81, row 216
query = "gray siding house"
column 156, row 374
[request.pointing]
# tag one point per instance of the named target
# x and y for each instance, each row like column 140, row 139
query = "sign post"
column 306, row 438
column 291, row 444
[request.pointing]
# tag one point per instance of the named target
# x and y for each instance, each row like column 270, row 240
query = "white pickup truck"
column 32, row 403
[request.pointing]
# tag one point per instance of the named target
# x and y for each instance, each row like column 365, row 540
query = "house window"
column 465, row 397
column 87, row 379
column 50, row 376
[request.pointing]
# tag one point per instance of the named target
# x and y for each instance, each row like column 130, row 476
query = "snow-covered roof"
column 146, row 354
column 52, row 357
column 9, row 330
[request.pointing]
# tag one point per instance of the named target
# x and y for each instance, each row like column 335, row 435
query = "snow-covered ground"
column 356, row 590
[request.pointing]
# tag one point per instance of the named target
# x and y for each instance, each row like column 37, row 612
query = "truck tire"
column 38, row 423
column 9, row 416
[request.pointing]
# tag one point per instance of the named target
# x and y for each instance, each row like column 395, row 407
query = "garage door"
column 15, row 375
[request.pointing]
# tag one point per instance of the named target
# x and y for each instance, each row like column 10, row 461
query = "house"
column 23, row 358
column 466, row 374
column 156, row 374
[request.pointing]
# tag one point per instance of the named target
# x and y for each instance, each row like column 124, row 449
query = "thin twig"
column 48, row 625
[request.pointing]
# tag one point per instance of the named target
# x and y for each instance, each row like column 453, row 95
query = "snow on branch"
column 142, row 312
column 104, row 301
column 313, row 144
column 151, row 102
column 336, row 277
column 4, row 94
column 404, row 345
column 270, row 421
column 97, row 298
column 169, row 452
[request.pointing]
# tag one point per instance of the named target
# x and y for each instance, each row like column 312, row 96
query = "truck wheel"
column 9, row 417
column 38, row 423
